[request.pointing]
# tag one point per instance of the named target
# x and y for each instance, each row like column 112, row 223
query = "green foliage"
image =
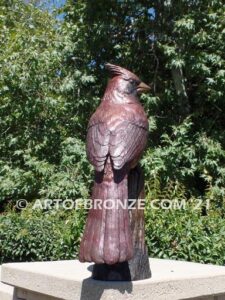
column 185, row 235
column 194, row 159
column 51, row 80
column 179, row 227
column 178, row 48
column 52, row 77
column 73, row 177
column 42, row 112
column 34, row 235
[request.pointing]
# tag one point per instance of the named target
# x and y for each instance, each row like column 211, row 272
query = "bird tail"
column 107, row 236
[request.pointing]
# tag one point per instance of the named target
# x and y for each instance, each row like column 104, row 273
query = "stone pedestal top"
column 70, row 280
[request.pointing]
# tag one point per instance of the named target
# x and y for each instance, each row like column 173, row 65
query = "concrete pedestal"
column 70, row 280
column 6, row 291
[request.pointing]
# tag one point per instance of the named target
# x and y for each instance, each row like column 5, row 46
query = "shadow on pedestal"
column 93, row 289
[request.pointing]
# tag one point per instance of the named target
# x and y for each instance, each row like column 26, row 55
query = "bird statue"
column 116, row 138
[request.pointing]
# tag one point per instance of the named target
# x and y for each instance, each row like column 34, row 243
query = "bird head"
column 125, row 82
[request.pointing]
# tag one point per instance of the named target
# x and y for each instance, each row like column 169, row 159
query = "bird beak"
column 143, row 88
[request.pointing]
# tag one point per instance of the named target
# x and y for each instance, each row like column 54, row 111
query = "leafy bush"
column 37, row 236
column 182, row 227
column 186, row 235
column 182, row 234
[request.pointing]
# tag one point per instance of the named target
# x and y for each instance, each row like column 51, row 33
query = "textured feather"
column 127, row 143
column 115, row 70
column 98, row 145
column 107, row 235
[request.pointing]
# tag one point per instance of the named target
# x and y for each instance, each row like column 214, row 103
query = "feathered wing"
column 127, row 142
column 124, row 143
column 107, row 237
column 98, row 145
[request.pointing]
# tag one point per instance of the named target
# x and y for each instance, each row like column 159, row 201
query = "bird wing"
column 98, row 145
column 127, row 142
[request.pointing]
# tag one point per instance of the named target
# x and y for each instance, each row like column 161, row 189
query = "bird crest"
column 115, row 70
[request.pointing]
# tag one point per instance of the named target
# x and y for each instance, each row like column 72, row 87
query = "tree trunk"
column 178, row 79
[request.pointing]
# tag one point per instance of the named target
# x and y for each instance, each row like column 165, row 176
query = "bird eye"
column 132, row 81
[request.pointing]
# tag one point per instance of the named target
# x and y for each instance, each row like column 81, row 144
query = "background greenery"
column 52, row 78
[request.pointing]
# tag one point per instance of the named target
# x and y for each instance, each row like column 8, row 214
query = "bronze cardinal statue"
column 116, row 138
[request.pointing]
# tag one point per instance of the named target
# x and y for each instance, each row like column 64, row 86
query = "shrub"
column 184, row 234
column 40, row 236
